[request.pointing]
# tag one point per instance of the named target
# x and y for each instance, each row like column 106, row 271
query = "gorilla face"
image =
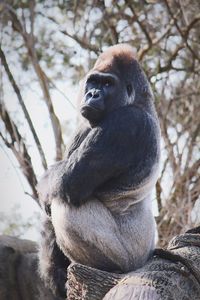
column 104, row 92
column 100, row 89
column 116, row 80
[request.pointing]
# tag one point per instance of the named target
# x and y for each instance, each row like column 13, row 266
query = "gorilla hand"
column 55, row 184
column 50, row 186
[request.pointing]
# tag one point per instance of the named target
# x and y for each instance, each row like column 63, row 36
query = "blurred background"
column 46, row 47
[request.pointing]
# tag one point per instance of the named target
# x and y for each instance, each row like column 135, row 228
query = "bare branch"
column 29, row 40
column 155, row 41
column 185, row 32
column 18, row 147
column 27, row 116
column 83, row 42
column 143, row 28
column 172, row 57
column 191, row 25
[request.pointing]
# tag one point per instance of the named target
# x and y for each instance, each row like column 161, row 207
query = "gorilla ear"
column 145, row 91
column 129, row 89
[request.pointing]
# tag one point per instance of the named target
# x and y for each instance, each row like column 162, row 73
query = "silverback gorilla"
column 97, row 199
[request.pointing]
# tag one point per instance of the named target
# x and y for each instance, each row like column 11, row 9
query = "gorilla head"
column 116, row 80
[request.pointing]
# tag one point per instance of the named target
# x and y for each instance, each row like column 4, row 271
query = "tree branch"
column 184, row 33
column 21, row 153
column 143, row 28
column 83, row 42
column 27, row 116
column 29, row 40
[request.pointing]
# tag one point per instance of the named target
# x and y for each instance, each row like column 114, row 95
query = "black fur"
column 53, row 263
column 112, row 157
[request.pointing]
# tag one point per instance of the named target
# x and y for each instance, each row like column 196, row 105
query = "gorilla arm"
column 49, row 183
column 108, row 151
column 79, row 137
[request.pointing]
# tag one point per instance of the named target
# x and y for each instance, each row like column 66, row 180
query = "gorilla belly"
column 92, row 242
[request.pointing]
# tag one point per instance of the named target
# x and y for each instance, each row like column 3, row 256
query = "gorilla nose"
column 93, row 93
column 95, row 99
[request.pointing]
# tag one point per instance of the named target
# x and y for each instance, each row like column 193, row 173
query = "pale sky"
column 13, row 184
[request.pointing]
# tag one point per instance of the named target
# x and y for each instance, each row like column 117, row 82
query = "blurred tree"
column 13, row 224
column 53, row 41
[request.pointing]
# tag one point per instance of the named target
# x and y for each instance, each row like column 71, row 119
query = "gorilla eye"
column 129, row 89
column 108, row 83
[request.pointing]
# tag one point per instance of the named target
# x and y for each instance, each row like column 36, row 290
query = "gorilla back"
column 99, row 195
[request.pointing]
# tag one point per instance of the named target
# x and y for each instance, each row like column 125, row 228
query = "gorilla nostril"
column 96, row 95
column 89, row 95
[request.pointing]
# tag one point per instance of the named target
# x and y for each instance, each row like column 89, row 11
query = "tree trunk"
column 19, row 278
column 172, row 274
column 88, row 283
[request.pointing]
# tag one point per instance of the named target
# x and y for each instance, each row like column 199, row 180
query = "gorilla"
column 97, row 200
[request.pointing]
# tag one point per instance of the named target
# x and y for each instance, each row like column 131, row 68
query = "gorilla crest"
column 97, row 199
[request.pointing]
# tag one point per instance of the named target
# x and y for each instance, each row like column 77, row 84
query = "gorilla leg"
column 92, row 235
column 53, row 263
column 138, row 229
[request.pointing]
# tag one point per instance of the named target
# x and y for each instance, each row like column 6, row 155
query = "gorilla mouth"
column 91, row 113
